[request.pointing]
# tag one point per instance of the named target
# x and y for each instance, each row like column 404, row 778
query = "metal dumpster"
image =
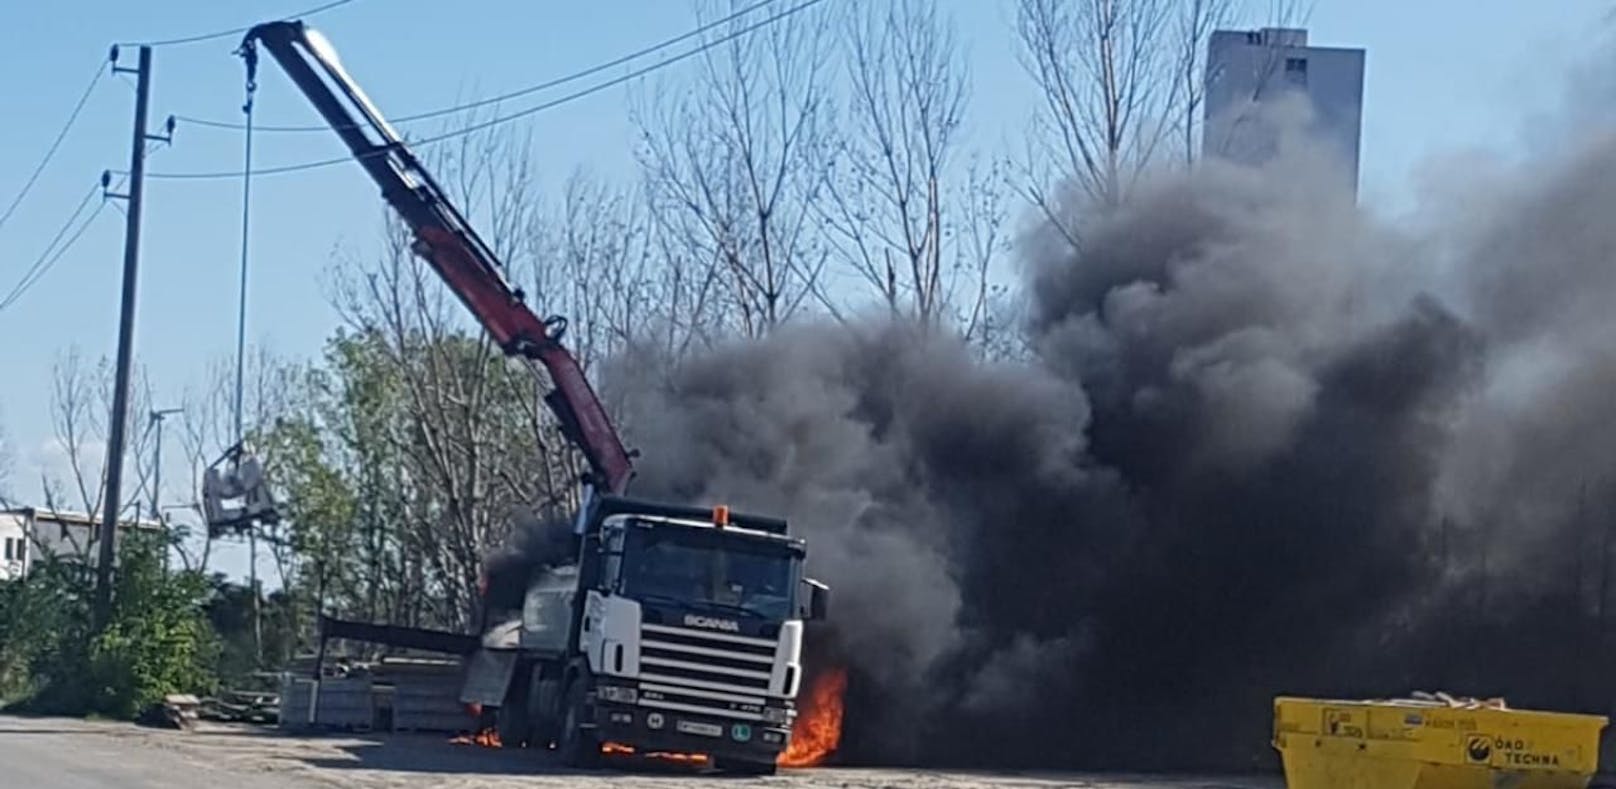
column 1435, row 742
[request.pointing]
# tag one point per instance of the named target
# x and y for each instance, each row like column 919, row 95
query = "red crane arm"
column 445, row 240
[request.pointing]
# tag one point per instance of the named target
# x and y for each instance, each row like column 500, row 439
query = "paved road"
column 72, row 754
column 69, row 754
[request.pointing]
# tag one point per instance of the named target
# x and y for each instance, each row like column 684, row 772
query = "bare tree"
column 980, row 241
column 1194, row 23
column 908, row 212
column 81, row 407
column 887, row 200
column 1103, row 67
column 730, row 162
column 620, row 278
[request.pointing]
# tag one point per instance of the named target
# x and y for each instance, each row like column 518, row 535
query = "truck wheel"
column 512, row 725
column 734, row 767
column 512, row 717
column 580, row 747
column 543, row 710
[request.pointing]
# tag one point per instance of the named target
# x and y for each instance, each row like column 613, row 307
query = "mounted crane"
column 678, row 628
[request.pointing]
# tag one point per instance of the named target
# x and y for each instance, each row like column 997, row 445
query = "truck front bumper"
column 650, row 730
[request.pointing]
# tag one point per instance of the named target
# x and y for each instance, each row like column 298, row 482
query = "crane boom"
column 446, row 240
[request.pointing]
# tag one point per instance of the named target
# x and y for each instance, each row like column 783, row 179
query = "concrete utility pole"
column 157, row 417
column 126, row 331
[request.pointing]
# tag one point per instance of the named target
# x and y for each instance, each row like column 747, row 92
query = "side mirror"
column 818, row 600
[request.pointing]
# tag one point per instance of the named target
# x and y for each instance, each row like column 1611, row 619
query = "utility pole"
column 157, row 461
column 126, row 331
column 157, row 479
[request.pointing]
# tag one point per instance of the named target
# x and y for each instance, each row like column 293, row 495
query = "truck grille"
column 699, row 671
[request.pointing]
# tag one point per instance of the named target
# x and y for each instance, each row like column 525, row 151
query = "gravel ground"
column 71, row 754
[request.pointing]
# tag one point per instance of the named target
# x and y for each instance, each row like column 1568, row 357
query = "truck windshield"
column 706, row 569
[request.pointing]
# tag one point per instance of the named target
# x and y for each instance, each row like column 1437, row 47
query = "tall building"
column 1250, row 75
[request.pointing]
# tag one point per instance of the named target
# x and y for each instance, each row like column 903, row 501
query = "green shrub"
column 157, row 639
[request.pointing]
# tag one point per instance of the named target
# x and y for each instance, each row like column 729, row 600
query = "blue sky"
column 1443, row 76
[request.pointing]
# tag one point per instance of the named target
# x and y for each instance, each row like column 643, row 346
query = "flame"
column 819, row 726
column 487, row 738
column 610, row 748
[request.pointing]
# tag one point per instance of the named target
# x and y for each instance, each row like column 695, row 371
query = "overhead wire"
column 553, row 83
column 56, row 248
column 50, row 152
column 472, row 129
column 231, row 32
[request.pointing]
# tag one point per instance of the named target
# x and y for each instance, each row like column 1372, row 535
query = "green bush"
column 44, row 626
column 157, row 639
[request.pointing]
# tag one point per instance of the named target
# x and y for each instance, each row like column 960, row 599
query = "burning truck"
column 678, row 630
column 672, row 629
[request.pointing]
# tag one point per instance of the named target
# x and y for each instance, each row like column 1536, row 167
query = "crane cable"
column 249, row 53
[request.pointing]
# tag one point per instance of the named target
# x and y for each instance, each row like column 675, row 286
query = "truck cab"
column 671, row 634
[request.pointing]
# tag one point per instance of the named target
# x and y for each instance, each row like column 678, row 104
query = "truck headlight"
column 619, row 694
column 779, row 716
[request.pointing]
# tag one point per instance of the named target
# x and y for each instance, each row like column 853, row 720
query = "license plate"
column 704, row 729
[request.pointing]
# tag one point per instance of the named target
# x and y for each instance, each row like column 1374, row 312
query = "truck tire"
column 579, row 746
column 512, row 725
column 543, row 710
column 734, row 767
column 512, row 716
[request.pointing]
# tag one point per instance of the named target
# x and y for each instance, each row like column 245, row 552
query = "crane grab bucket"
column 236, row 495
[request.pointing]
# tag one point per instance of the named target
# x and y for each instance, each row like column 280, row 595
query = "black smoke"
column 1263, row 442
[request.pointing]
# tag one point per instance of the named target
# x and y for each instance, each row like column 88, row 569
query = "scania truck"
column 672, row 629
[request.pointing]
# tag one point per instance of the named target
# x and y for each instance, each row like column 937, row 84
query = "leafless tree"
column 731, row 161
column 980, row 242
column 620, row 278
column 887, row 197
column 81, row 408
column 1194, row 22
column 1103, row 67
column 1120, row 80
column 595, row 266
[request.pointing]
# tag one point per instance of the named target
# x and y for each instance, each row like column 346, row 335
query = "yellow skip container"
column 1435, row 742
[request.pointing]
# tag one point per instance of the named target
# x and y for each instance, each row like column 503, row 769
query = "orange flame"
column 819, row 726
column 487, row 738
column 610, row 748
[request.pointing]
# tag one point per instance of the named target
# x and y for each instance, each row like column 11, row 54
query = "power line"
column 231, row 32
column 55, row 144
column 573, row 77
column 52, row 253
column 574, row 96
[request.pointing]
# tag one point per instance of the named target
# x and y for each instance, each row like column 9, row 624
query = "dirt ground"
column 72, row 754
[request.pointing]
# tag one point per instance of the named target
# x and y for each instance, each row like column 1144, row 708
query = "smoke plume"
column 1264, row 442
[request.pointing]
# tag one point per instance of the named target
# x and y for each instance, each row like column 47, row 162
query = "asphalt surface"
column 48, row 753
